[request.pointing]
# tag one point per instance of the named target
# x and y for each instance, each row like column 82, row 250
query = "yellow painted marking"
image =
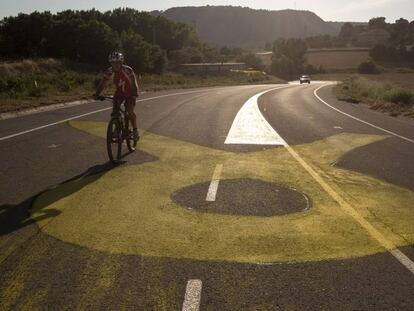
column 129, row 209
column 374, row 233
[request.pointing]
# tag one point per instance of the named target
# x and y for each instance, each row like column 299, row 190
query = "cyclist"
column 126, row 87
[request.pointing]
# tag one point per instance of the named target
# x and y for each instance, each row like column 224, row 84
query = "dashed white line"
column 192, row 295
column 212, row 190
column 357, row 119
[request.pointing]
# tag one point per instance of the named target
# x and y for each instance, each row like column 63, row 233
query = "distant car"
column 304, row 79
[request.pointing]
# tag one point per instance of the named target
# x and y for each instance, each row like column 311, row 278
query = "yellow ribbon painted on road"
column 129, row 209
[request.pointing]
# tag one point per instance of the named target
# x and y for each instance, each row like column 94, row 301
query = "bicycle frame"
column 121, row 119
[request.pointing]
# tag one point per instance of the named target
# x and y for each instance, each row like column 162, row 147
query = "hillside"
column 248, row 28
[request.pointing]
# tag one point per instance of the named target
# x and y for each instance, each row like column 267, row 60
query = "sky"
column 329, row 10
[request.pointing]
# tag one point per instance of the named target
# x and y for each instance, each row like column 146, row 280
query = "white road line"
column 212, row 190
column 192, row 296
column 403, row 259
column 357, row 119
column 101, row 110
column 52, row 124
column 251, row 128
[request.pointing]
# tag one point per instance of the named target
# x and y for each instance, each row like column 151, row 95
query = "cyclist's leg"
column 130, row 106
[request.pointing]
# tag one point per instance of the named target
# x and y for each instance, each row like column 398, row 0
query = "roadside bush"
column 36, row 91
column 399, row 96
column 11, row 86
column 383, row 96
column 36, row 81
column 3, row 84
column 368, row 67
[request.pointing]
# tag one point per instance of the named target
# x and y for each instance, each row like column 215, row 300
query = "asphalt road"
column 290, row 200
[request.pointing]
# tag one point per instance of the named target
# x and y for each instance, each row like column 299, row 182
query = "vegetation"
column 30, row 83
column 382, row 96
column 394, row 49
column 150, row 43
column 38, row 78
column 368, row 67
column 252, row 61
column 288, row 57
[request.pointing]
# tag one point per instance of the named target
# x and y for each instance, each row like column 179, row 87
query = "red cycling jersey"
column 123, row 80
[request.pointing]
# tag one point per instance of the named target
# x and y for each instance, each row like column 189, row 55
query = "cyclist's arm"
column 101, row 87
column 134, row 84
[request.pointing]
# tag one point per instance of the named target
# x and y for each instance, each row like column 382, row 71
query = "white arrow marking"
column 251, row 128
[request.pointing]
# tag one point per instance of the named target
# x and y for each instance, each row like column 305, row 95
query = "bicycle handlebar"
column 102, row 98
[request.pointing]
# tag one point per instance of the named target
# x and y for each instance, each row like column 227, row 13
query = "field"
column 33, row 83
column 329, row 59
column 337, row 59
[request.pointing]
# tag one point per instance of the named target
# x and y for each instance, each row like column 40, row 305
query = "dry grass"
column 396, row 79
column 28, row 66
column 399, row 79
column 392, row 98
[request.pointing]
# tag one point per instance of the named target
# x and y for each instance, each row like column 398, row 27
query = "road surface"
column 269, row 197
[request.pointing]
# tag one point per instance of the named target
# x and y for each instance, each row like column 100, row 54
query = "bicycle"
column 119, row 130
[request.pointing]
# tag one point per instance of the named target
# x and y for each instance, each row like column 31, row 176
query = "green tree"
column 411, row 33
column 141, row 55
column 25, row 35
column 377, row 23
column 288, row 57
column 185, row 56
column 400, row 32
column 89, row 36
column 96, row 41
column 347, row 32
column 282, row 66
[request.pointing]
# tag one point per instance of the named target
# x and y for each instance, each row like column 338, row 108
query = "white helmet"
column 116, row 57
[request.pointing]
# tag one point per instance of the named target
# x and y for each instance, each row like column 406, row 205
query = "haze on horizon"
column 350, row 10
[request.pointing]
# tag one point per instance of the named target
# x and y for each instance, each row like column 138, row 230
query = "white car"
column 304, row 79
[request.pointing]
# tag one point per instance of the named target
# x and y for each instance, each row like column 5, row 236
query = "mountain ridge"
column 249, row 28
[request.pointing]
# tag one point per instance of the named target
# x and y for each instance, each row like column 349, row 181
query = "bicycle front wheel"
column 114, row 140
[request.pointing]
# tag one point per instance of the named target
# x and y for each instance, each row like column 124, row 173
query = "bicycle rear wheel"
column 114, row 140
column 131, row 143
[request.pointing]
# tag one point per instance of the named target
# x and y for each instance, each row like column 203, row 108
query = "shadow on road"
column 14, row 217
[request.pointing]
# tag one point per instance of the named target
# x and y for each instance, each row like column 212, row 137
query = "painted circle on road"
column 244, row 197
